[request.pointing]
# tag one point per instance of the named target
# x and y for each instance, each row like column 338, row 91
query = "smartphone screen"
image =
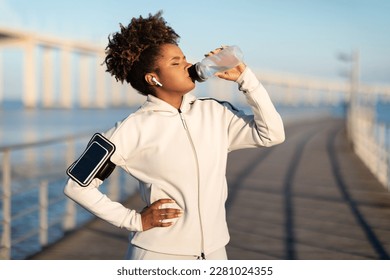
column 89, row 162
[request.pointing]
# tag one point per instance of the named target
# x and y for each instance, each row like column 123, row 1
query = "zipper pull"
column 182, row 119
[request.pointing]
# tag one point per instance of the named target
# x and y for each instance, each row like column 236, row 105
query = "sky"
column 302, row 37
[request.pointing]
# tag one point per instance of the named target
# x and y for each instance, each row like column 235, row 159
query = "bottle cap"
column 194, row 75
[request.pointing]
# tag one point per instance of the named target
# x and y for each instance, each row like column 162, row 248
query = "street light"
column 353, row 60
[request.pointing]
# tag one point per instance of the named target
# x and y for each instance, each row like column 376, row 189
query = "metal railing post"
column 69, row 221
column 386, row 160
column 43, row 213
column 5, row 250
column 70, row 216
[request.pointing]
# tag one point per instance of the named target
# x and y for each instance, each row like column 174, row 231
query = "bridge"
column 60, row 73
column 52, row 67
column 57, row 72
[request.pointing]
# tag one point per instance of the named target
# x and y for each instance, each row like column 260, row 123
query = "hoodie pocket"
column 150, row 193
column 159, row 192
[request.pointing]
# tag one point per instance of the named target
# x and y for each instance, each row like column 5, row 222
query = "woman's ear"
column 152, row 80
column 149, row 79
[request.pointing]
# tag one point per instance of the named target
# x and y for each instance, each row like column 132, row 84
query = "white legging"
column 137, row 253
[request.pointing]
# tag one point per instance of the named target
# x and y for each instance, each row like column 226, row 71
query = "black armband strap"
column 106, row 170
column 94, row 162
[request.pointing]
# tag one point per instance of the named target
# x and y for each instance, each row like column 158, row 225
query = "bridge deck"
column 309, row 198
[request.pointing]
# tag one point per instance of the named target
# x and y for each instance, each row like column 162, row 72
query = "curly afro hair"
column 132, row 52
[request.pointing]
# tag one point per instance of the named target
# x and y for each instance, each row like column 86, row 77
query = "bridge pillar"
column 65, row 78
column 84, row 81
column 1, row 78
column 30, row 86
column 100, row 80
column 116, row 92
column 48, row 77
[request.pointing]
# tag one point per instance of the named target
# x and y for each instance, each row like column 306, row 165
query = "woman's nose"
column 188, row 65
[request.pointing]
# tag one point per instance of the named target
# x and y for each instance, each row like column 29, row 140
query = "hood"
column 156, row 104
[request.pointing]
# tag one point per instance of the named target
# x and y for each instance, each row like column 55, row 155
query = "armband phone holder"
column 94, row 162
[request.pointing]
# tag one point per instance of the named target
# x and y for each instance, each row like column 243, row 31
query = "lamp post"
column 353, row 60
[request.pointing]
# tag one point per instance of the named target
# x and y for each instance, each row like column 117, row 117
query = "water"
column 382, row 109
column 22, row 126
column 227, row 58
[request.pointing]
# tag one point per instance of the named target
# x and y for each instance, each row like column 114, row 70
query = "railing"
column 370, row 135
column 34, row 210
column 368, row 131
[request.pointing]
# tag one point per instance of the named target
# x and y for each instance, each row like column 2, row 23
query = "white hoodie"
column 182, row 155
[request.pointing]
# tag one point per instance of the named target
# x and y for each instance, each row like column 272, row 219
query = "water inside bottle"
column 222, row 62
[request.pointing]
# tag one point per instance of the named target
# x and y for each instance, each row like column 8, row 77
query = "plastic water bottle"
column 227, row 58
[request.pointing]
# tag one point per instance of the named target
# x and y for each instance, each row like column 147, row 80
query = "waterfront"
column 310, row 198
column 31, row 166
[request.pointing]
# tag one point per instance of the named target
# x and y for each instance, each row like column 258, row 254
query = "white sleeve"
column 100, row 205
column 92, row 199
column 265, row 126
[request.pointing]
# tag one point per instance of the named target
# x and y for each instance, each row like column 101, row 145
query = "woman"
column 176, row 146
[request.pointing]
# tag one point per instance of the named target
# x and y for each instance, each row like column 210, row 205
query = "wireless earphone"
column 156, row 82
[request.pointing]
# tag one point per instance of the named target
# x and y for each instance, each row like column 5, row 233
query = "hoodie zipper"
column 202, row 256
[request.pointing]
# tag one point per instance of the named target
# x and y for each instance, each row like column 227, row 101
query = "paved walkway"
column 309, row 198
